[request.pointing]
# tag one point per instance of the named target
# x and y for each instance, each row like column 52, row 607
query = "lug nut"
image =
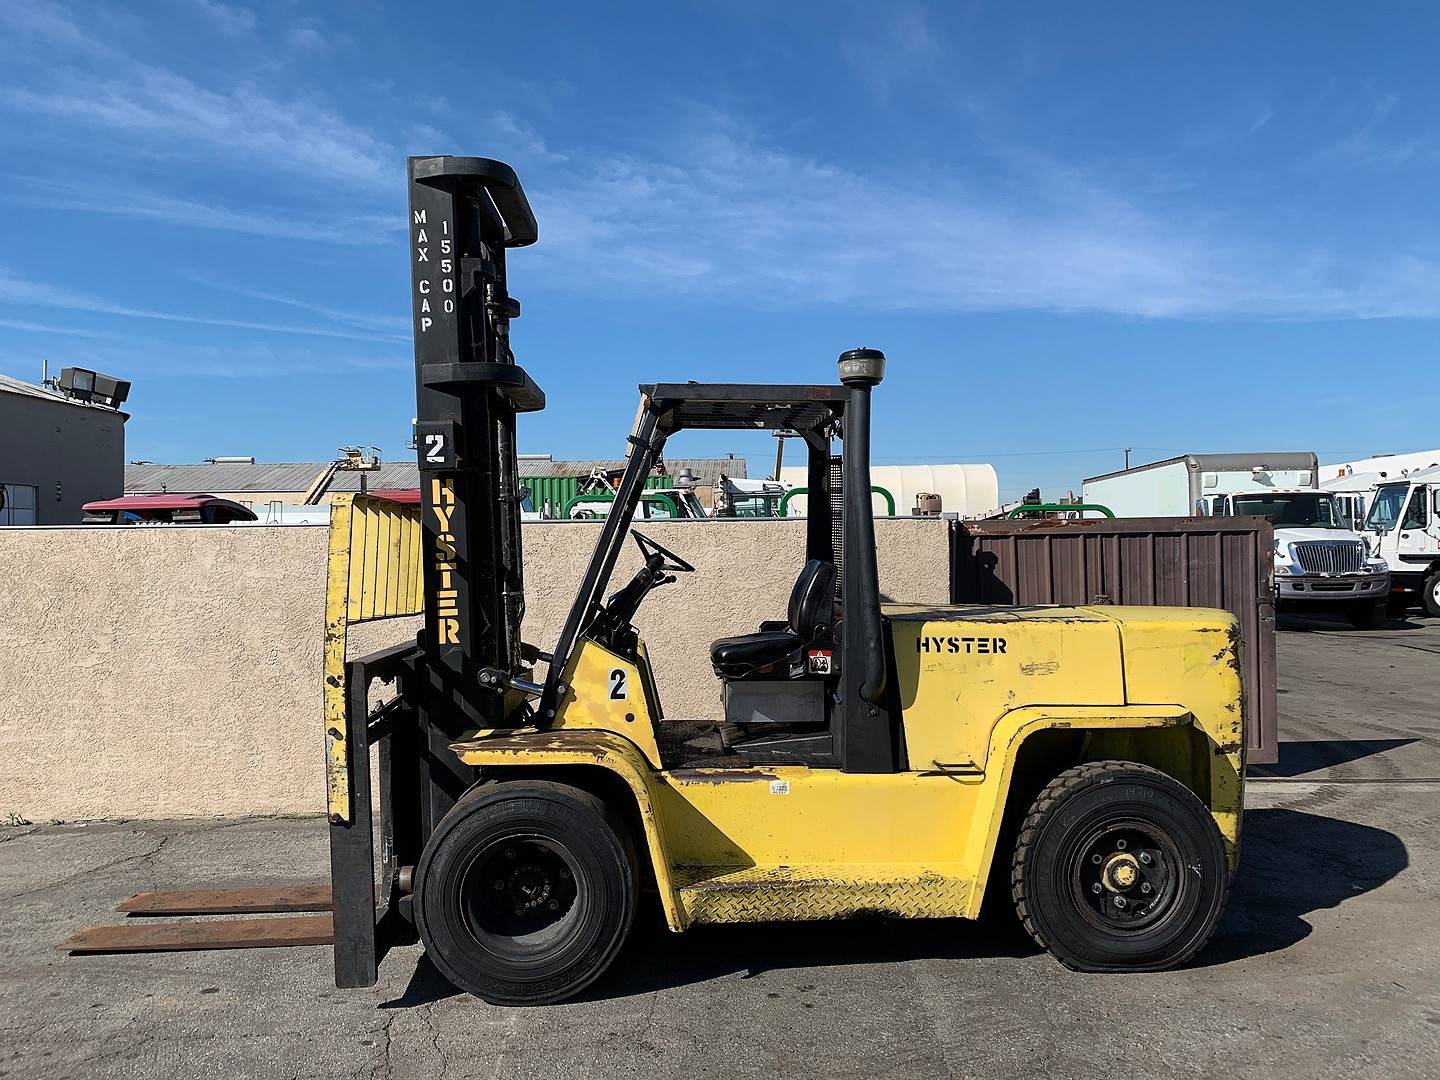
column 1145, row 887
column 565, row 873
column 1120, row 845
column 499, row 884
column 509, row 852
column 1120, row 902
column 1145, row 857
column 553, row 905
column 1095, row 888
column 1095, row 859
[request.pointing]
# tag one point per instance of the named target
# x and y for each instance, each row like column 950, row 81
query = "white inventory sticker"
column 779, row 787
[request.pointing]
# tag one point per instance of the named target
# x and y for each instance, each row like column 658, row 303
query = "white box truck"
column 1405, row 520
column 1320, row 563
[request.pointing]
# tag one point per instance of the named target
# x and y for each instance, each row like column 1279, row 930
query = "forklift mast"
column 465, row 213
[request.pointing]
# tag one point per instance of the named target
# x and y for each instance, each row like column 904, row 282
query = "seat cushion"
column 737, row 655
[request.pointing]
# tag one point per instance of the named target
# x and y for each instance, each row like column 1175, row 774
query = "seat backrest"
column 812, row 601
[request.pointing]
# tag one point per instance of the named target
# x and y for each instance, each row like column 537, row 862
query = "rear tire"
column 1430, row 595
column 1366, row 614
column 526, row 892
column 1119, row 867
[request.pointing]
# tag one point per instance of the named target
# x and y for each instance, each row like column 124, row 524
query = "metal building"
column 57, row 453
column 267, row 488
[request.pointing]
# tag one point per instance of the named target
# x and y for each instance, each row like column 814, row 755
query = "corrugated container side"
column 1185, row 562
column 559, row 490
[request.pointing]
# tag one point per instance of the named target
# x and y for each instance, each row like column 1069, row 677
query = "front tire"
column 1119, row 867
column 1366, row 614
column 526, row 892
column 1430, row 595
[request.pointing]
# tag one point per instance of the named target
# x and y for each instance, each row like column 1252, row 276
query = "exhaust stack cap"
column 862, row 367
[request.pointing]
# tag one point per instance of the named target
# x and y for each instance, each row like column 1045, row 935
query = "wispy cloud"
column 172, row 113
column 307, row 35
column 18, row 290
column 27, row 326
column 1376, row 144
column 211, row 361
column 396, row 325
column 229, row 18
column 246, row 125
column 716, row 209
column 892, row 44
column 172, row 210
column 726, row 214
column 52, row 23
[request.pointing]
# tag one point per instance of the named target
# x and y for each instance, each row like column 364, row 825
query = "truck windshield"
column 756, row 506
column 1385, row 510
column 1295, row 510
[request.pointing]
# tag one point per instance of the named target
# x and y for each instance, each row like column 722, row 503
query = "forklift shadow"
column 655, row 959
column 1291, row 864
column 658, row 960
column 1298, row 757
column 1296, row 622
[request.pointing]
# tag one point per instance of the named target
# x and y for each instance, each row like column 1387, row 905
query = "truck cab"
column 1404, row 520
column 1319, row 560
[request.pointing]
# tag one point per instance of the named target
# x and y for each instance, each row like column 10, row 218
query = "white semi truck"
column 1319, row 561
column 1405, row 520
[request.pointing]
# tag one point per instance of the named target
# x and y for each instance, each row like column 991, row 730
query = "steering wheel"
column 668, row 559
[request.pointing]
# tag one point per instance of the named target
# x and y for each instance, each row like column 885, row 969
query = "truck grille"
column 1330, row 556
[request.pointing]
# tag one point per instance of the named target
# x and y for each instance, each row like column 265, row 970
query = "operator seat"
column 811, row 611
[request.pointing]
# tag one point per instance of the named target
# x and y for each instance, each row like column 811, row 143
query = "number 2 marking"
column 436, row 443
column 618, row 691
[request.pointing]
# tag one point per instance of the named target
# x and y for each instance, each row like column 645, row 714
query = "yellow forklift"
column 873, row 757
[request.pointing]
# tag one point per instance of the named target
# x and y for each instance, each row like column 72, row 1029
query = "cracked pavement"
column 1327, row 962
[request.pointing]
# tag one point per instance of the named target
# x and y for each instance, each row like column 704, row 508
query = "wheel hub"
column 530, row 886
column 516, row 888
column 1122, row 871
column 1125, row 876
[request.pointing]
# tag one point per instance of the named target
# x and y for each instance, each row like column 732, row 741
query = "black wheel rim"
column 520, row 898
column 1125, row 877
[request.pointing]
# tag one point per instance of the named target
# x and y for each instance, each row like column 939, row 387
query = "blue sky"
column 1073, row 228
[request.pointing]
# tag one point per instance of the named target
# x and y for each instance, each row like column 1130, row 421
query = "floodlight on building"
column 82, row 384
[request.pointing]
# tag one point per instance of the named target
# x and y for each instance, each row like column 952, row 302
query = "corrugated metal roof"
column 707, row 469
column 225, row 477
column 300, row 476
column 391, row 474
column 25, row 389
column 406, row 474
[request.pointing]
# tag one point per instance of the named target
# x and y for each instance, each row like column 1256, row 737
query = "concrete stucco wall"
column 175, row 671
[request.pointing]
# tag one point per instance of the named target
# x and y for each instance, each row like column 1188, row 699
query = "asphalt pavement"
column 1327, row 962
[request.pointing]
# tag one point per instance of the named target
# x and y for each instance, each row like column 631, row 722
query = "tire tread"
column 1052, row 795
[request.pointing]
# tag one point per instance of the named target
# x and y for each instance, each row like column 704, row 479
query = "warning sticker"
column 819, row 661
column 779, row 787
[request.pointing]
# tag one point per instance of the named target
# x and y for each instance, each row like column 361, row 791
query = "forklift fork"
column 370, row 917
column 361, row 917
